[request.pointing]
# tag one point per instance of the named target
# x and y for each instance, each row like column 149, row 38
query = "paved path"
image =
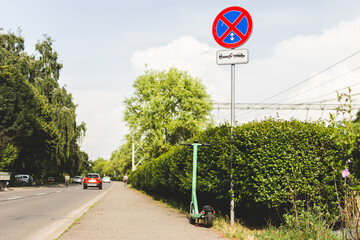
column 126, row 214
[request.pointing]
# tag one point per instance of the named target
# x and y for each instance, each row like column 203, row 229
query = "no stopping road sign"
column 232, row 27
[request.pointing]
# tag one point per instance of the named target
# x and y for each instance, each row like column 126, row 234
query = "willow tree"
column 8, row 150
column 38, row 115
column 46, row 73
column 167, row 107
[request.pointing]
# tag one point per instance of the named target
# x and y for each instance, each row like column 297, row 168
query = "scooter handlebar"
column 190, row 144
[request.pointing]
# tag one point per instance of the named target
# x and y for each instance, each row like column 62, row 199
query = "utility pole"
column 133, row 155
column 133, row 150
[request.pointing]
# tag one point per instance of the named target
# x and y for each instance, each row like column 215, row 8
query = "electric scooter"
column 207, row 214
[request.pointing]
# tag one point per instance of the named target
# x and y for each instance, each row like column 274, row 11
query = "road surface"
column 43, row 213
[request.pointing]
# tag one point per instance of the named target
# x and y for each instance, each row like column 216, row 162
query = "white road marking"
column 16, row 197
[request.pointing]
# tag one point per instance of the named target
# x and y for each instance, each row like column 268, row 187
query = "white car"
column 77, row 179
column 106, row 179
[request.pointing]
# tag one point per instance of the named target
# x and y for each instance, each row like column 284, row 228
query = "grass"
column 306, row 230
column 237, row 231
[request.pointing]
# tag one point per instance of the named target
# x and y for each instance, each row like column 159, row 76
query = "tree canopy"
column 120, row 160
column 38, row 129
column 166, row 108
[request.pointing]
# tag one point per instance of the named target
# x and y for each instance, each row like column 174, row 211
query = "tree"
column 25, row 121
column 167, row 108
column 8, row 152
column 7, row 156
column 101, row 166
column 38, row 128
column 120, row 160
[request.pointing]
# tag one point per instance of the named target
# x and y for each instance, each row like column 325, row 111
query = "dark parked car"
column 51, row 180
column 23, row 179
column 92, row 180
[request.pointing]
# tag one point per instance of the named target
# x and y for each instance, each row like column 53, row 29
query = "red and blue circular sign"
column 232, row 27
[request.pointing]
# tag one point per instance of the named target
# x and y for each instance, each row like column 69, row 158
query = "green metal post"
column 193, row 196
column 194, row 209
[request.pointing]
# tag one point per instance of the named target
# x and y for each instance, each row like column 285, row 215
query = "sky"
column 299, row 52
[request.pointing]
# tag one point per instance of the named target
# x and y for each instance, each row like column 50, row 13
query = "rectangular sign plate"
column 233, row 56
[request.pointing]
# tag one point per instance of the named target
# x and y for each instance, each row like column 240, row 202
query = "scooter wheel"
column 191, row 220
column 208, row 219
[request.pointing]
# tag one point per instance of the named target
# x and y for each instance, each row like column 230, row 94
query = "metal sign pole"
column 232, row 21
column 232, row 95
column 232, row 214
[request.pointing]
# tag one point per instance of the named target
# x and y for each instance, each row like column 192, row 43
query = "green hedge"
column 270, row 158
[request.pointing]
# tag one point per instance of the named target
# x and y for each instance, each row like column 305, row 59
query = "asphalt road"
column 43, row 213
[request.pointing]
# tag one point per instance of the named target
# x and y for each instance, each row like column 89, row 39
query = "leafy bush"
column 277, row 165
column 282, row 163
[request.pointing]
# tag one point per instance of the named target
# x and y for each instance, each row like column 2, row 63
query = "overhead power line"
column 333, row 92
column 331, row 100
column 306, row 105
column 322, row 84
column 309, row 78
column 273, row 107
column 281, row 106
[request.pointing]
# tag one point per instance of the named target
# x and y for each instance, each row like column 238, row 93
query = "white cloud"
column 186, row 53
column 297, row 59
column 102, row 111
column 293, row 60
column 314, row 53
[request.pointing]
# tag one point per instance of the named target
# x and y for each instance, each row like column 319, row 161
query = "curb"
column 56, row 229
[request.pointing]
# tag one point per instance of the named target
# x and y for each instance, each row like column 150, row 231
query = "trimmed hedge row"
column 275, row 164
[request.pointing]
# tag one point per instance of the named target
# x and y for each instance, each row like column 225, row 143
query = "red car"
column 92, row 180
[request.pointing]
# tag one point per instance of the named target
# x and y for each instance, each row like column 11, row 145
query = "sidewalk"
column 126, row 214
